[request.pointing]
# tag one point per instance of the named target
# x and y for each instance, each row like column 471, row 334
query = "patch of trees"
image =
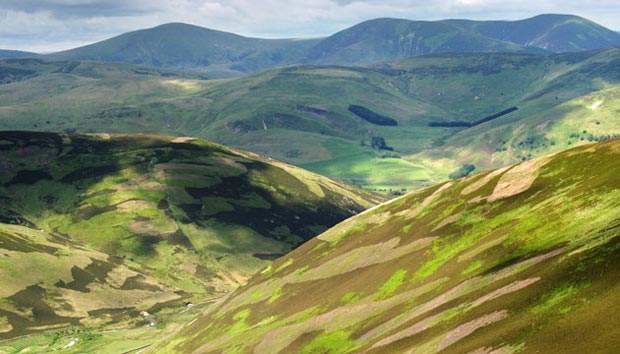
column 462, row 124
column 584, row 135
column 389, row 155
column 372, row 117
column 534, row 145
column 605, row 137
column 495, row 116
column 392, row 192
column 378, row 143
column 527, row 147
column 463, row 171
column 453, row 124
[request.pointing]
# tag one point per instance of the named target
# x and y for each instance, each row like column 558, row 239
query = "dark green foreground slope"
column 522, row 259
column 100, row 225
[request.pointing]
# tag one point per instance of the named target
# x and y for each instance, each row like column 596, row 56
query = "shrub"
column 378, row 142
column 453, row 124
column 389, row 155
column 463, row 124
column 372, row 117
column 462, row 171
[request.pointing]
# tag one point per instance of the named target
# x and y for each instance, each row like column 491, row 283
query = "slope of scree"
column 522, row 259
column 192, row 215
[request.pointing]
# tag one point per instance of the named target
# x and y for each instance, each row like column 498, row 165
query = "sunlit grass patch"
column 392, row 284
column 557, row 296
column 337, row 342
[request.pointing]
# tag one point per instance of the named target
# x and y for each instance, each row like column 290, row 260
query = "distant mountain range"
column 178, row 45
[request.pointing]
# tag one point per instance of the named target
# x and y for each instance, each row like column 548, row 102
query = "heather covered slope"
column 50, row 282
column 188, row 217
column 522, row 259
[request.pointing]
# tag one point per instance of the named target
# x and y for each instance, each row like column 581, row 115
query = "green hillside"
column 556, row 33
column 518, row 260
column 124, row 222
column 39, row 95
column 183, row 46
column 306, row 115
column 222, row 54
column 388, row 39
column 569, row 105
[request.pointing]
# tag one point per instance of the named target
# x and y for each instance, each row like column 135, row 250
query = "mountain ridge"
column 549, row 31
column 186, row 46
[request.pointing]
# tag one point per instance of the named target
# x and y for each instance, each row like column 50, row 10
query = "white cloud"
column 44, row 25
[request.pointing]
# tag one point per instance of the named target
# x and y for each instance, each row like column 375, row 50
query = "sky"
column 52, row 25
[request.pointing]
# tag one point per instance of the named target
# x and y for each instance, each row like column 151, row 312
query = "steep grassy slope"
column 178, row 45
column 195, row 216
column 556, row 33
column 522, row 259
column 302, row 114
